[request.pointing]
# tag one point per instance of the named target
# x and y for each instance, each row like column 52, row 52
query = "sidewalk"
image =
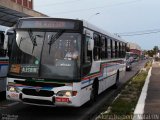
column 152, row 102
column 148, row 106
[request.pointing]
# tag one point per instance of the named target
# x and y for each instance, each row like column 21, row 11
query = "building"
column 12, row 10
column 135, row 48
column 25, row 3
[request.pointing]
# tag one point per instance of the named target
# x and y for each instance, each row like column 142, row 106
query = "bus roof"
column 97, row 29
column 85, row 24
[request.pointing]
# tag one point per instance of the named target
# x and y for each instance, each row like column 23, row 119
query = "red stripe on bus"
column 97, row 74
column 101, row 70
column 19, row 85
column 4, row 62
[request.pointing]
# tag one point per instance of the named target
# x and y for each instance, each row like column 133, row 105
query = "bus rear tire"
column 94, row 92
column 115, row 86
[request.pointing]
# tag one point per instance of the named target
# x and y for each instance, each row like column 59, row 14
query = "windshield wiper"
column 21, row 41
column 33, row 39
column 54, row 38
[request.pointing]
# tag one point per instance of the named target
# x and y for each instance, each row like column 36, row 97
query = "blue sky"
column 116, row 16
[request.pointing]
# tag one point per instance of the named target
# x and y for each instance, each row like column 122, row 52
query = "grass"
column 126, row 102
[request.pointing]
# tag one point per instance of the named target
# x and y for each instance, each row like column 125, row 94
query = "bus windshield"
column 51, row 55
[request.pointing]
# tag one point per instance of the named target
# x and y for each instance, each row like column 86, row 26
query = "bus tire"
column 94, row 92
column 3, row 95
column 115, row 86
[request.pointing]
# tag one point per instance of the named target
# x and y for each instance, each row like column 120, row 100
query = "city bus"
column 63, row 62
column 4, row 59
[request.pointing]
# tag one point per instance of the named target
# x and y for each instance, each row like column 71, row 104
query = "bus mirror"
column 6, row 34
column 90, row 44
column 5, row 46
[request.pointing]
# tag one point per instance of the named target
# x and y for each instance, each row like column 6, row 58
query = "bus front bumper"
column 43, row 101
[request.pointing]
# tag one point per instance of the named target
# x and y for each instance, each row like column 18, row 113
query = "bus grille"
column 34, row 92
column 36, row 101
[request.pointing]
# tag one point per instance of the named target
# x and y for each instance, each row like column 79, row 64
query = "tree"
column 150, row 53
column 155, row 49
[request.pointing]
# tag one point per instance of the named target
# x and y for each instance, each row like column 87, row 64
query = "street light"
column 93, row 15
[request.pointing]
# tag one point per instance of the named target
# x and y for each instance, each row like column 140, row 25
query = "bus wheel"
column 115, row 86
column 94, row 92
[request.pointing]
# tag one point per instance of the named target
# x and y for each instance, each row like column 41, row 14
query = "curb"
column 138, row 113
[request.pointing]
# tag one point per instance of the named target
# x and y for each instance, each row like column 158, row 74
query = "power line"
column 151, row 30
column 140, row 33
column 99, row 7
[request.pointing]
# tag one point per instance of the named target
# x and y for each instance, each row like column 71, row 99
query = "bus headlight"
column 11, row 89
column 66, row 93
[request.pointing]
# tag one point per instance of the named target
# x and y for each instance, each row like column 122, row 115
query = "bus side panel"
column 78, row 101
column 122, row 71
column 106, row 74
column 108, row 78
column 86, row 87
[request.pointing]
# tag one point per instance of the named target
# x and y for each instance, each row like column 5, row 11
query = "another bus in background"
column 134, row 50
column 4, row 58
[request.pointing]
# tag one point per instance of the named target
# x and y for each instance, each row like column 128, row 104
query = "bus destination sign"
column 50, row 24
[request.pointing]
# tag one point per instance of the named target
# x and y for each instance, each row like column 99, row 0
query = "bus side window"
column 116, row 49
column 106, row 48
column 123, row 49
column 109, row 48
column 103, row 54
column 113, row 48
column 99, row 48
column 111, row 43
column 96, row 47
column 120, row 50
column 87, row 53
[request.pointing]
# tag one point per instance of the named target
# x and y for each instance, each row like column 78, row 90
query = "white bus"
column 62, row 62
column 4, row 59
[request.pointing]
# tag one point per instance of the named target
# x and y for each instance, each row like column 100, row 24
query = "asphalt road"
column 26, row 112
